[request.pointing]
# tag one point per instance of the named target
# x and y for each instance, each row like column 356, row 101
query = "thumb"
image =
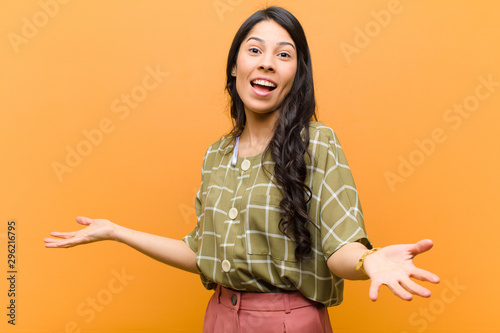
column 421, row 246
column 84, row 220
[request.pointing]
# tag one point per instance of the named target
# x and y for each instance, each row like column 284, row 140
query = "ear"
column 233, row 71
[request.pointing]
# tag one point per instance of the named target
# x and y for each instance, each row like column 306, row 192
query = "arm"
column 392, row 266
column 340, row 218
column 169, row 251
column 343, row 262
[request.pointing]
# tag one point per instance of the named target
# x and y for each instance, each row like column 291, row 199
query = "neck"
column 258, row 131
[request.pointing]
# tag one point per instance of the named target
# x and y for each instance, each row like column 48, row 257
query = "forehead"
column 270, row 31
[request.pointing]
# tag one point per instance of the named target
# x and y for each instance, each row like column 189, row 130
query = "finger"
column 63, row 234
column 421, row 246
column 423, row 275
column 84, row 220
column 52, row 243
column 57, row 243
column 54, row 240
column 373, row 292
column 399, row 291
column 415, row 288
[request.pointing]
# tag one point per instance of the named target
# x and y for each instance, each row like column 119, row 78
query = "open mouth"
column 263, row 85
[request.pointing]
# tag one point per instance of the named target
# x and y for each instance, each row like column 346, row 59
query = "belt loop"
column 286, row 299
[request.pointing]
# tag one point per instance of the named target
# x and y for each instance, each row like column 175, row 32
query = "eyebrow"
column 279, row 43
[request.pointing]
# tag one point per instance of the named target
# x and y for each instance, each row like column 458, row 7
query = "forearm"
column 343, row 262
column 169, row 251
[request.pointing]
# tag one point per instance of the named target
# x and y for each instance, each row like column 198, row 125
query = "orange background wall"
column 391, row 78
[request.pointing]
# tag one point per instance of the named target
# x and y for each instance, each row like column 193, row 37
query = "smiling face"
column 265, row 67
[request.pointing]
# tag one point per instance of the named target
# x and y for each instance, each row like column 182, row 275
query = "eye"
column 284, row 55
column 253, row 50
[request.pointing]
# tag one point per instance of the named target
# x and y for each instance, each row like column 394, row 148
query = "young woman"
column 279, row 221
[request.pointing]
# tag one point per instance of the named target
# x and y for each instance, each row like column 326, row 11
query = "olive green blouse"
column 237, row 238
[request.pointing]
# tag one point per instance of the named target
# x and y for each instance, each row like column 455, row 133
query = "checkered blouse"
column 237, row 239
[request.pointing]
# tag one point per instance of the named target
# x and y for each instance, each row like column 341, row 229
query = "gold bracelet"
column 361, row 260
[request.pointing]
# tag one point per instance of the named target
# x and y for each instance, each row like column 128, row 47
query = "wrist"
column 362, row 260
column 117, row 233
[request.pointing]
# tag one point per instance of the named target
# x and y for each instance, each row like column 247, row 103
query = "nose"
column 267, row 67
column 267, row 63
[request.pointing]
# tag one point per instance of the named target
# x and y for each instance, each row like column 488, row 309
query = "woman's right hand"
column 96, row 230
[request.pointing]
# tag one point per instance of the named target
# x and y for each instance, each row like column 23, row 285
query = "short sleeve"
column 338, row 212
column 192, row 238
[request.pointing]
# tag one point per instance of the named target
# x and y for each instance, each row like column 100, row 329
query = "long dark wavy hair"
column 287, row 146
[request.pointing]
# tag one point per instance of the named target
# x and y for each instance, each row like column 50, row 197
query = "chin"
column 262, row 110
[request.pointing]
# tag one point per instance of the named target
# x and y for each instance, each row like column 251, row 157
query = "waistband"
column 251, row 301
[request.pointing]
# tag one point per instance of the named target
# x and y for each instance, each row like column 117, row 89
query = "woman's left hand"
column 393, row 266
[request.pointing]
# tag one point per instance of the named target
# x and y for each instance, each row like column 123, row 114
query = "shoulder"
column 322, row 134
column 223, row 145
column 218, row 149
column 324, row 146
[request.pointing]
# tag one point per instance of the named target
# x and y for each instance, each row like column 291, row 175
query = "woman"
column 279, row 221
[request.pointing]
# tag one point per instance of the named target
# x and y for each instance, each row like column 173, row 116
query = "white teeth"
column 264, row 83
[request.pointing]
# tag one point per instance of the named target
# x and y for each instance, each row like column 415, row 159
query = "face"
column 265, row 67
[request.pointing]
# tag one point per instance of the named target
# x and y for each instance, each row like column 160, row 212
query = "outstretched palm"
column 96, row 230
column 393, row 266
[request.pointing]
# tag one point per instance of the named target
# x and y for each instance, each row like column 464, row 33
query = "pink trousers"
column 231, row 311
